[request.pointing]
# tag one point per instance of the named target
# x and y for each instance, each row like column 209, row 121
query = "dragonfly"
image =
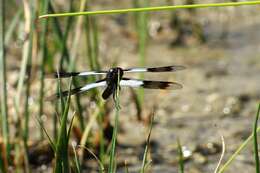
column 115, row 80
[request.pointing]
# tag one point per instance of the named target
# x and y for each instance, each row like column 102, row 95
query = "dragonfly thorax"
column 113, row 75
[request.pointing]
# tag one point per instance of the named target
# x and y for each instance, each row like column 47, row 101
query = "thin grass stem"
column 145, row 162
column 3, row 99
column 93, row 51
column 257, row 161
column 64, row 52
column 62, row 38
column 240, row 148
column 88, row 127
column 64, row 55
column 25, row 57
column 102, row 168
column 142, row 22
column 147, row 9
column 46, row 133
column 222, row 153
column 28, row 74
column 74, row 55
column 181, row 160
column 11, row 28
column 76, row 159
column 27, row 77
column 76, row 38
column 43, row 62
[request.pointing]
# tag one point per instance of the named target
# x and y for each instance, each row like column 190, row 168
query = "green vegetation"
column 257, row 161
column 46, row 40
column 4, row 109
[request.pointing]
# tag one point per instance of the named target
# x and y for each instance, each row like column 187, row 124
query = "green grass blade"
column 76, row 159
column 257, row 161
column 3, row 81
column 71, row 125
column 240, row 148
column 73, row 57
column 101, row 166
column 76, row 38
column 142, row 22
column 28, row 67
column 147, row 9
column 30, row 9
column 12, row 26
column 43, row 45
column 93, row 52
column 65, row 54
column 61, row 160
column 46, row 133
column 112, row 157
column 27, row 46
column 65, row 57
column 145, row 162
column 62, row 38
column 92, row 47
column 88, row 127
column 59, row 107
column 181, row 160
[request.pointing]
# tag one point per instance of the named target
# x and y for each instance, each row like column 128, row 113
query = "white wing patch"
column 137, row 70
column 87, row 73
column 131, row 83
column 93, row 85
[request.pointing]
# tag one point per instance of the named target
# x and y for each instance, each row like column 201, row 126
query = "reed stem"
column 3, row 92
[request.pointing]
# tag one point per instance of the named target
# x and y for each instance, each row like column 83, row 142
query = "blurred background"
column 220, row 48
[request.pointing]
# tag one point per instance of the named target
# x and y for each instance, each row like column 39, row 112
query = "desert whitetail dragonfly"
column 113, row 75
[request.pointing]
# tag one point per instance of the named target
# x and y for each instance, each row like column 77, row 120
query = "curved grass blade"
column 46, row 133
column 102, row 168
column 257, row 161
column 76, row 159
column 222, row 154
column 145, row 162
column 240, row 148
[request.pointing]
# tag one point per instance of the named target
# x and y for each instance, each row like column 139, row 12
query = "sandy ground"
column 220, row 96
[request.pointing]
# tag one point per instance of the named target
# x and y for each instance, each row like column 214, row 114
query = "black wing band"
column 156, row 69
column 150, row 84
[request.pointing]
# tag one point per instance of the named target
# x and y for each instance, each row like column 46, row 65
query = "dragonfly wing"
column 78, row 90
column 150, row 84
column 71, row 74
column 156, row 69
